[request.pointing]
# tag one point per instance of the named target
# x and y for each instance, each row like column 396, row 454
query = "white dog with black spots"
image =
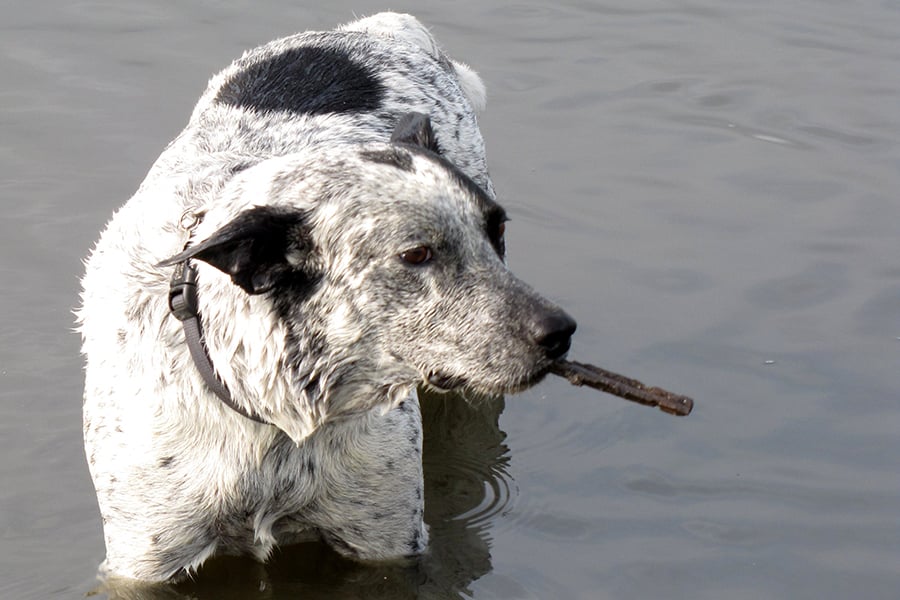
column 330, row 196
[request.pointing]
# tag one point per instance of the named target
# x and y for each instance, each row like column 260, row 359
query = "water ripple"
column 465, row 462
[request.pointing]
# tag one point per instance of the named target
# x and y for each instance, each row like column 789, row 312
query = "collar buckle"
column 183, row 300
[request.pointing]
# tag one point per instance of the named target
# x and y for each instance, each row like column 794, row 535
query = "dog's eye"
column 496, row 236
column 417, row 255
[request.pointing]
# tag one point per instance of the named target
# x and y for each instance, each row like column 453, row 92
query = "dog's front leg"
column 373, row 504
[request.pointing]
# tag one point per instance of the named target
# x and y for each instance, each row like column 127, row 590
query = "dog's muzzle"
column 550, row 330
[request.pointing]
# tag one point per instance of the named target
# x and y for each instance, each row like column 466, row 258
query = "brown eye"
column 495, row 234
column 416, row 256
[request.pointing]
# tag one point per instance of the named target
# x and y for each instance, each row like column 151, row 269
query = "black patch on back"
column 395, row 157
column 310, row 80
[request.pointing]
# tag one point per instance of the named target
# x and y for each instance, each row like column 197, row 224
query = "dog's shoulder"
column 406, row 28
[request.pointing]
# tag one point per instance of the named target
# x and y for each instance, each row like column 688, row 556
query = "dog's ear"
column 254, row 248
column 415, row 129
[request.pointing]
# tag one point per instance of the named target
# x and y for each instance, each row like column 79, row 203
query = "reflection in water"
column 466, row 485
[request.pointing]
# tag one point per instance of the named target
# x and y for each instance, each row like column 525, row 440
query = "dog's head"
column 381, row 266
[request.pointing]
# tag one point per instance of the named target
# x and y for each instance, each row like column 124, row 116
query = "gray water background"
column 709, row 187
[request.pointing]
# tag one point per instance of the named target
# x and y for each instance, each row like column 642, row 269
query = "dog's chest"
column 265, row 503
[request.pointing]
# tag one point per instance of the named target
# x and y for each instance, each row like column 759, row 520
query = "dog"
column 322, row 238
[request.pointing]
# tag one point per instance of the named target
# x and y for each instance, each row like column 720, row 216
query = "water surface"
column 710, row 188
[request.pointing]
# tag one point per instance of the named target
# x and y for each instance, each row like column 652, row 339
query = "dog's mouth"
column 440, row 381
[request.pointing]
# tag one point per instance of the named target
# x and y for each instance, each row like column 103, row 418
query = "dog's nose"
column 553, row 332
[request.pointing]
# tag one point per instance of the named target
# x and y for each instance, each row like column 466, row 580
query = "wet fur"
column 314, row 162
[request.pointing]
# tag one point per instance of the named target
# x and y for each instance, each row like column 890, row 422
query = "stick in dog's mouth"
column 623, row 387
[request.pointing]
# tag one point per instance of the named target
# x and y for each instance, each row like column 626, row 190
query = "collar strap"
column 183, row 303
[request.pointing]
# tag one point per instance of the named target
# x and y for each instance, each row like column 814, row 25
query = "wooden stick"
column 623, row 387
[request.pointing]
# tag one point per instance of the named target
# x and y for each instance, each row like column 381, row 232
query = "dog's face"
column 390, row 262
column 423, row 267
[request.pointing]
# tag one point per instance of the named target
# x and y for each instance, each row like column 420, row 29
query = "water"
column 709, row 187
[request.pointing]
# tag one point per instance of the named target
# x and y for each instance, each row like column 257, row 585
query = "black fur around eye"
column 495, row 230
column 416, row 256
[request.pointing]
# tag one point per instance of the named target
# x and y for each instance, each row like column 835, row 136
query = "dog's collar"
column 183, row 303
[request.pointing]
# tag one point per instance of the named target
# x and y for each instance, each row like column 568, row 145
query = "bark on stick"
column 623, row 387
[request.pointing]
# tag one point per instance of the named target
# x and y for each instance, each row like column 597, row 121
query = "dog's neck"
column 184, row 304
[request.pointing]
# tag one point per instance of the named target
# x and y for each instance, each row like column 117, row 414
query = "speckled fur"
column 315, row 324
